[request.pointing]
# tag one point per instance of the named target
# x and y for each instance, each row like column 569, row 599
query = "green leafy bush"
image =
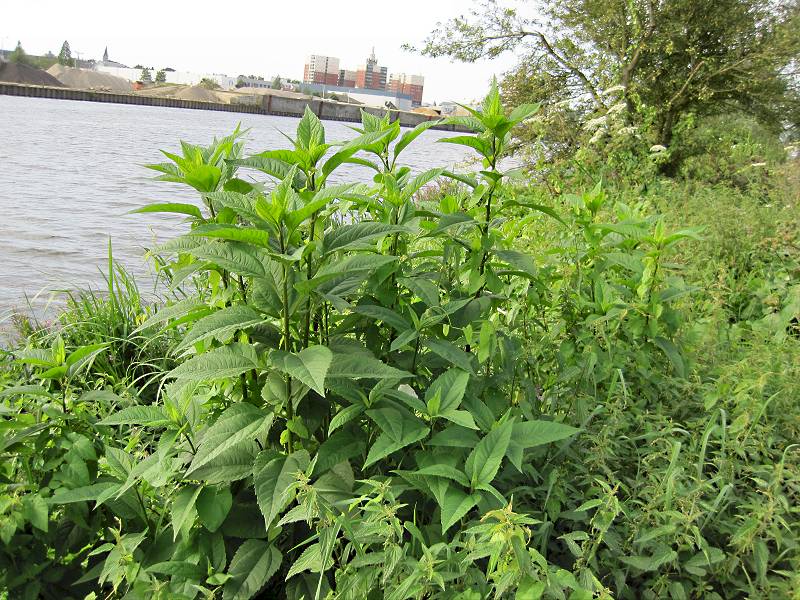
column 432, row 385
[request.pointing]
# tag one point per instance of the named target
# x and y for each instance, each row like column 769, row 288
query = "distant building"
column 372, row 76
column 410, row 85
column 110, row 63
column 321, row 69
column 401, row 87
column 347, row 78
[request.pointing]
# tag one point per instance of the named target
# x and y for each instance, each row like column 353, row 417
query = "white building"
column 176, row 77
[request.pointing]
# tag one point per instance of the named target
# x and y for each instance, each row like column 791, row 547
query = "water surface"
column 70, row 171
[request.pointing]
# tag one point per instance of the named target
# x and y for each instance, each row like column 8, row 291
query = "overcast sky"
column 261, row 37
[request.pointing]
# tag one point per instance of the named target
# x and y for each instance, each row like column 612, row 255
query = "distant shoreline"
column 269, row 105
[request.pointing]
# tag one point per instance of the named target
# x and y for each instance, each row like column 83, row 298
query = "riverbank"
column 327, row 110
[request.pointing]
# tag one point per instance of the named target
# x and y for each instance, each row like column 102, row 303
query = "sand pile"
column 18, row 73
column 86, row 79
column 195, row 92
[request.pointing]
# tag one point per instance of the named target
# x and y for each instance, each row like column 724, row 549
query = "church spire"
column 105, row 55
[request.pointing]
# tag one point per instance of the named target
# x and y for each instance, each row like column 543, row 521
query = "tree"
column 209, row 84
column 65, row 56
column 19, row 56
column 161, row 76
column 276, row 83
column 146, row 77
column 662, row 59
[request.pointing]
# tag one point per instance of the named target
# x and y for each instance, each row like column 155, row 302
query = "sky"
column 261, row 37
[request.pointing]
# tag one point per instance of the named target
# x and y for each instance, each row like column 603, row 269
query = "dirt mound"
column 86, row 79
column 19, row 73
column 195, row 92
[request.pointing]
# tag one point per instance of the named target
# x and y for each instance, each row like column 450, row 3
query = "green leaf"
column 661, row 557
column 482, row 146
column 213, row 505
column 247, row 235
column 356, row 235
column 310, row 132
column 82, row 494
column 388, row 316
column 153, row 416
column 182, row 508
column 235, row 257
column 309, row 560
column 455, row 504
column 400, row 429
column 341, row 446
column 443, row 470
column 233, row 464
column 484, row 461
column 530, row 434
column 238, row 423
column 451, row 353
column 171, row 207
column 173, row 311
column 451, row 386
column 220, row 363
column 412, row 134
column 35, row 511
column 273, row 478
column 254, row 563
column 523, row 111
column 310, row 366
column 220, row 325
column 673, row 354
column 455, row 436
column 362, row 366
column 178, row 568
column 359, row 263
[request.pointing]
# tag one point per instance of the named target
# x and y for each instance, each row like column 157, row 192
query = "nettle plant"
column 349, row 417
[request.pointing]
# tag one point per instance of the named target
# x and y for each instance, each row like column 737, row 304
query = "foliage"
column 161, row 76
column 209, row 84
column 431, row 385
column 65, row 55
column 662, row 59
column 146, row 76
column 276, row 83
column 18, row 55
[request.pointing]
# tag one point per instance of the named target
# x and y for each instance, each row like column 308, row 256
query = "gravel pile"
column 18, row 73
column 86, row 79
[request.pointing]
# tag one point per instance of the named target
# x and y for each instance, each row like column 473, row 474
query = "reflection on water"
column 70, row 171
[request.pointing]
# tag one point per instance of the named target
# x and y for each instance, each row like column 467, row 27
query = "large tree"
column 65, row 56
column 665, row 58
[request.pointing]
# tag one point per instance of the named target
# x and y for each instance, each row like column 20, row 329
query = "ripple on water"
column 72, row 170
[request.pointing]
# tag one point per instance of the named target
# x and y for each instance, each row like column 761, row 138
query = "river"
column 71, row 171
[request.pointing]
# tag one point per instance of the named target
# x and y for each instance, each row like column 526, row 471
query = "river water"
column 70, row 171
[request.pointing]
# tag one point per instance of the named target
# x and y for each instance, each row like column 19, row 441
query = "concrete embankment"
column 266, row 105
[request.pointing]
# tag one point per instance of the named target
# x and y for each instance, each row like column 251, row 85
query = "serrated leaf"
column 310, row 366
column 362, row 366
column 221, row 325
column 309, row 560
column 182, row 508
column 235, row 257
column 238, row 423
column 153, row 416
column 170, row 207
column 400, row 429
column 273, row 477
column 254, row 563
column 213, row 505
column 451, row 353
column 455, row 504
column 355, row 235
column 484, row 461
column 220, row 363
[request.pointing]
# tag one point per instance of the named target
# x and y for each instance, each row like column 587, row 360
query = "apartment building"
column 321, row 69
column 409, row 85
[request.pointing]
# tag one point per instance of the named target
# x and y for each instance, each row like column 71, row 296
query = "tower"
column 105, row 55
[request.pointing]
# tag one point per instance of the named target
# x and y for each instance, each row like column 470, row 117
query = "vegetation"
column 572, row 379
column 146, row 76
column 656, row 62
column 209, row 84
column 65, row 55
column 276, row 83
column 19, row 56
column 161, row 76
